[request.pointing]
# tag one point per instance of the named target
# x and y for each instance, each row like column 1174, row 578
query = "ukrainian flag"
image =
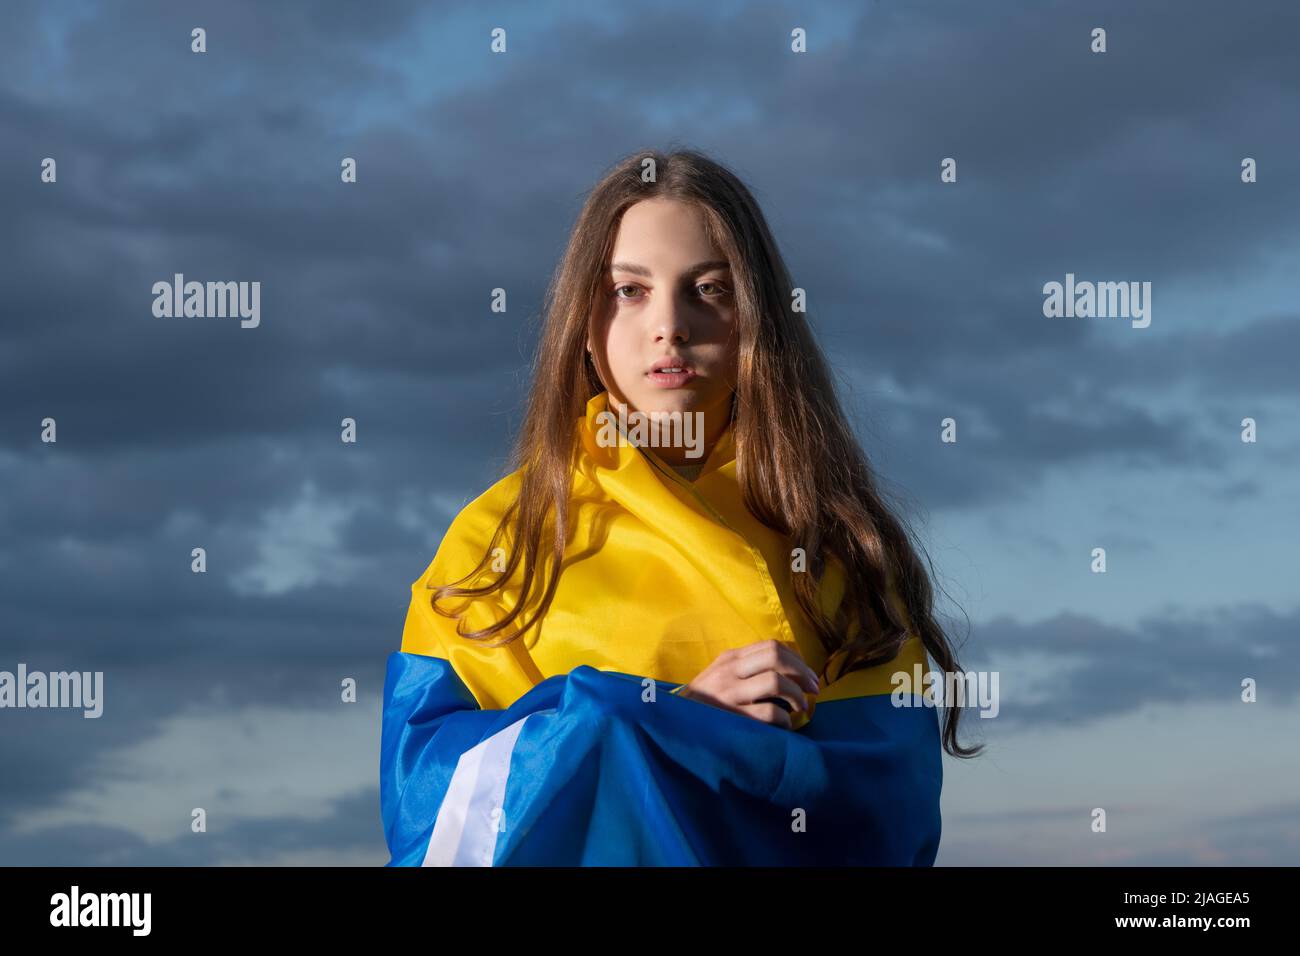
column 591, row 769
column 567, row 747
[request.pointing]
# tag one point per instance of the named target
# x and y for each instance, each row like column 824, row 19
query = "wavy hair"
column 799, row 466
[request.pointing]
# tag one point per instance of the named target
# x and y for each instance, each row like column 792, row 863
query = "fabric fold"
column 570, row 744
column 596, row 768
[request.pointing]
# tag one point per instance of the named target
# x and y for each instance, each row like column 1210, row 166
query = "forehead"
column 664, row 234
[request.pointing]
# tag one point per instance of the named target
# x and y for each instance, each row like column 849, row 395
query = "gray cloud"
column 183, row 433
column 1105, row 670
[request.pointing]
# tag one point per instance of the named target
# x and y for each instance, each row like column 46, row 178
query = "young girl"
column 669, row 635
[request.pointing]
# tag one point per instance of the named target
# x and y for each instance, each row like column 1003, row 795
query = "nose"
column 669, row 322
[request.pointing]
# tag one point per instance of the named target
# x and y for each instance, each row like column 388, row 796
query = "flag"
column 568, row 747
column 598, row 768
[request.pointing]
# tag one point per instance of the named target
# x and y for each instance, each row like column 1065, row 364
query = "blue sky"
column 1118, row 690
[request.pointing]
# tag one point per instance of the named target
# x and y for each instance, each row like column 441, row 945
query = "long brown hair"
column 801, row 470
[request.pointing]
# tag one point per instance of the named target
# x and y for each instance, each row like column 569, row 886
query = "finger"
column 767, row 713
column 773, row 655
column 771, row 684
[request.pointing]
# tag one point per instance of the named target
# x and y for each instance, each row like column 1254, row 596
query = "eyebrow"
column 697, row 269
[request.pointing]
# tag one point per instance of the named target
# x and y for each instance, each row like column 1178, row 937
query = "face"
column 667, row 301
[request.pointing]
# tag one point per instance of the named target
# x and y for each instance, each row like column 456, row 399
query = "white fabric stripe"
column 465, row 833
column 483, row 820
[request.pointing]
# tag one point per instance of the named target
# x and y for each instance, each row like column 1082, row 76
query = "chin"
column 669, row 400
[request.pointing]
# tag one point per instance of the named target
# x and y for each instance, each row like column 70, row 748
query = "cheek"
column 729, row 340
column 621, row 349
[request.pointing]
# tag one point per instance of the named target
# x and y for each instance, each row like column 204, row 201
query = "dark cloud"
column 182, row 433
column 351, row 834
column 1102, row 670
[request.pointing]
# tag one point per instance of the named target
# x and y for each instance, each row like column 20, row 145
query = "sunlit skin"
column 668, row 293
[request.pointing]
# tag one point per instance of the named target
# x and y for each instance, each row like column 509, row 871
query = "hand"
column 764, row 680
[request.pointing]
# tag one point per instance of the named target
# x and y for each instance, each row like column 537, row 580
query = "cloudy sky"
column 1118, row 690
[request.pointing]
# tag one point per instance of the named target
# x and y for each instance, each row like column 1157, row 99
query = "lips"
column 670, row 364
column 670, row 372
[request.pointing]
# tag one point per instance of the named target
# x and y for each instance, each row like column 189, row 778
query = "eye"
column 722, row 289
column 619, row 288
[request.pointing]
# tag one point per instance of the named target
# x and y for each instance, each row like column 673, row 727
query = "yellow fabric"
column 660, row 577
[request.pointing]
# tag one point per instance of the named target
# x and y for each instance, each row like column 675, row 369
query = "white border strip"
column 465, row 832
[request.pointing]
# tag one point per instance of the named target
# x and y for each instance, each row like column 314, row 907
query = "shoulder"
column 467, row 537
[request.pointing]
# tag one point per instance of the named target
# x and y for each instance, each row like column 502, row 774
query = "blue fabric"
column 600, row 776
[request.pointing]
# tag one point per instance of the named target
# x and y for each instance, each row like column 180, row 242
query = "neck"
column 715, row 422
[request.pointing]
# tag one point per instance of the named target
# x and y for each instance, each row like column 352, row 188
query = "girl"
column 670, row 634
